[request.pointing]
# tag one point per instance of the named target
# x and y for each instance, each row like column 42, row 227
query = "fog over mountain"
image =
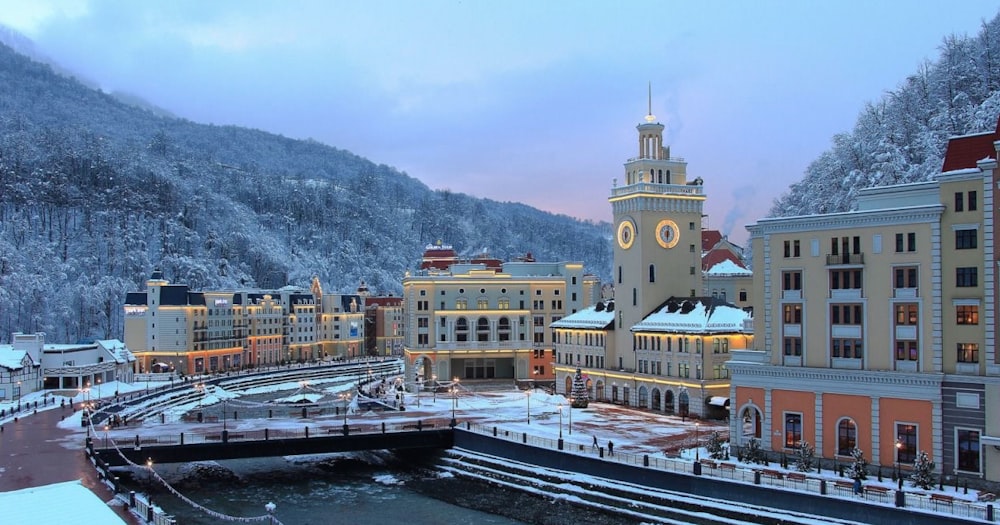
column 96, row 192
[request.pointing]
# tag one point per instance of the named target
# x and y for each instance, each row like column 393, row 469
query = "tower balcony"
column 655, row 188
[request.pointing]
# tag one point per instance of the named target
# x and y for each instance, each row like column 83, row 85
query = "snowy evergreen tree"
column 579, row 396
column 716, row 446
column 859, row 469
column 752, row 453
column 805, row 457
column 923, row 472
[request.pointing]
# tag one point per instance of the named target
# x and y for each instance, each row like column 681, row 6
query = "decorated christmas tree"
column 579, row 397
column 923, row 472
column 859, row 469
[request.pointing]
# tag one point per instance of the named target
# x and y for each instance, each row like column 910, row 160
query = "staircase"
column 629, row 501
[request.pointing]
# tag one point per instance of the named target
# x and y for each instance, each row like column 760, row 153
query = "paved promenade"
column 34, row 451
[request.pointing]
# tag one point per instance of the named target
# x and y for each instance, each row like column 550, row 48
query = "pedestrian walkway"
column 34, row 451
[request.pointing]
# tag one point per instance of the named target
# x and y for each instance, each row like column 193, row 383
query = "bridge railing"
column 266, row 434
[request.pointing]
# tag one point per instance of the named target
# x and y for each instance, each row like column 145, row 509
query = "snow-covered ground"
column 535, row 412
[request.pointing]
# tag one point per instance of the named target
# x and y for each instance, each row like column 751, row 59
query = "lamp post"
column 345, row 397
column 105, row 436
column 570, row 410
column 560, row 425
column 19, row 393
column 269, row 507
column 98, row 388
column 527, row 395
column 454, row 404
column 899, row 474
column 697, row 447
column 434, row 386
column 149, row 474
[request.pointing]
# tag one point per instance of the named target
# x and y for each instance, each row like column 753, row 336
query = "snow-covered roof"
column 11, row 359
column 117, row 349
column 694, row 315
column 67, row 502
column 727, row 267
column 596, row 317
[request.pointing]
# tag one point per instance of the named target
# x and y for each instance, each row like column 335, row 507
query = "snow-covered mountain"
column 902, row 137
column 95, row 192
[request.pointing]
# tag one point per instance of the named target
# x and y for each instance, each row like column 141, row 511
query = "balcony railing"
column 661, row 189
column 844, row 259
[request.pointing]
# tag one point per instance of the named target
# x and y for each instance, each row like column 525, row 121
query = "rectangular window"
column 959, row 201
column 791, row 280
column 967, row 314
column 793, row 346
column 796, row 248
column 788, row 249
column 911, row 242
column 846, row 314
column 539, row 320
column 792, row 313
column 966, row 239
column 906, row 350
column 972, row 201
column 968, row 353
column 905, row 277
column 906, row 443
column 967, row 276
column 906, row 314
column 968, row 450
column 899, row 243
column 462, row 304
column 846, row 348
column 793, row 430
column 845, row 279
column 422, row 322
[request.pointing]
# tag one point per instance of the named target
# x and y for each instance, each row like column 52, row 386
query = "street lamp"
column 149, row 473
column 899, row 474
column 697, row 447
column 560, row 421
column 434, row 386
column 269, row 507
column 454, row 404
column 98, row 388
column 527, row 395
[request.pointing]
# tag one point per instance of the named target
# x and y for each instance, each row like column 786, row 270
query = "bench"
column 942, row 499
column 844, row 487
column 708, row 463
column 776, row 474
column 728, row 467
column 882, row 493
column 796, row 476
column 986, row 496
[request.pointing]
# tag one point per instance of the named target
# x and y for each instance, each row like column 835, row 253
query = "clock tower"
column 657, row 219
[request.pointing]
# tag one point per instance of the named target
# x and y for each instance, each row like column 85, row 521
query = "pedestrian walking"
column 857, row 486
column 611, row 448
column 594, row 447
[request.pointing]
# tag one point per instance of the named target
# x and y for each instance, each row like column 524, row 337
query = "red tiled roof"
column 709, row 238
column 714, row 257
column 965, row 151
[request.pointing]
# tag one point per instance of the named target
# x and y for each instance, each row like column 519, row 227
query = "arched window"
column 461, row 330
column 847, row 436
column 683, row 402
column 482, row 330
column 668, row 402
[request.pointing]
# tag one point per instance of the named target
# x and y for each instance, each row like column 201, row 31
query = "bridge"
column 269, row 443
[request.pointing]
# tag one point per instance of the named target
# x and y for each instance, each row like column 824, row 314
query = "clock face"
column 626, row 234
column 667, row 234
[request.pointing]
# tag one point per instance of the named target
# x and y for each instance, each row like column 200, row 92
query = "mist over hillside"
column 95, row 193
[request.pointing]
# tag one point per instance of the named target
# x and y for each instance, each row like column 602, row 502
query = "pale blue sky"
column 524, row 101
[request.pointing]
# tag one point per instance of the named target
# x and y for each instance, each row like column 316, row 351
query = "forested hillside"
column 902, row 137
column 94, row 193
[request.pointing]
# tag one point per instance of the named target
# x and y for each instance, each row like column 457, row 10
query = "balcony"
column 794, row 295
column 655, row 188
column 846, row 259
column 905, row 293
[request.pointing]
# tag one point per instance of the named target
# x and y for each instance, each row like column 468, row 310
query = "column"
column 876, row 432
column 818, row 424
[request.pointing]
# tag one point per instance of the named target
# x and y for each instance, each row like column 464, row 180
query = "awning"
column 719, row 401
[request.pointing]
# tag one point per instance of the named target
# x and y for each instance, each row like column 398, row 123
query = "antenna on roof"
column 649, row 103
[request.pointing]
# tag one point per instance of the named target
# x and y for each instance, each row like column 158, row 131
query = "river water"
column 355, row 490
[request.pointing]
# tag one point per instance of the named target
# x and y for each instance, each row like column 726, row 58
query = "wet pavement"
column 34, row 451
